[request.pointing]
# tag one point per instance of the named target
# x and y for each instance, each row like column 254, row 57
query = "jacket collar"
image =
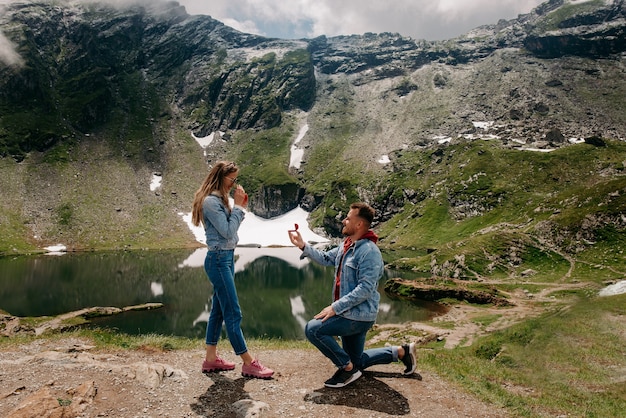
column 370, row 235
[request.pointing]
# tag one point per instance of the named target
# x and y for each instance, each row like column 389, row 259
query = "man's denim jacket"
column 220, row 224
column 361, row 270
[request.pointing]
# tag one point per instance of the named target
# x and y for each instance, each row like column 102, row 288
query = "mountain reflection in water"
column 278, row 291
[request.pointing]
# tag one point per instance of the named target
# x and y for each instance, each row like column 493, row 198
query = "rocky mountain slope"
column 496, row 159
column 96, row 99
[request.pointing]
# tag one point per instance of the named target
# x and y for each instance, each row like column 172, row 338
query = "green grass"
column 541, row 208
column 569, row 362
column 552, row 20
column 13, row 234
column 105, row 339
column 263, row 157
column 486, row 320
column 494, row 255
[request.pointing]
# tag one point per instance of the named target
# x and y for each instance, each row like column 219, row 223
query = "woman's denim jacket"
column 362, row 269
column 220, row 224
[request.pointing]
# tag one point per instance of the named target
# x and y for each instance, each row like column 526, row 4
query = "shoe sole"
column 257, row 377
column 413, row 360
column 354, row 377
column 216, row 370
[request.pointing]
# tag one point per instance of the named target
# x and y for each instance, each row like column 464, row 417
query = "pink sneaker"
column 256, row 369
column 217, row 365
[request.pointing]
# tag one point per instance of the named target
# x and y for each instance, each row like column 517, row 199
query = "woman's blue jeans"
column 220, row 267
column 322, row 335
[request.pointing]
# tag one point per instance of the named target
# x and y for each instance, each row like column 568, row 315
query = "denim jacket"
column 220, row 224
column 361, row 270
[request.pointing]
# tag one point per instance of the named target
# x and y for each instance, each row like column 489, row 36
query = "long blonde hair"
column 214, row 181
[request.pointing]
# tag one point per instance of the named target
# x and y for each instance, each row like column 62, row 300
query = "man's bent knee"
column 311, row 328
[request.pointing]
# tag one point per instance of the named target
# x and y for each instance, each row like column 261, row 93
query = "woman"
column 221, row 222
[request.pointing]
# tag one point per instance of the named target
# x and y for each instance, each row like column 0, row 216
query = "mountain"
column 513, row 131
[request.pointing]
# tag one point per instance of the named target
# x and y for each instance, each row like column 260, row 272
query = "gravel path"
column 75, row 379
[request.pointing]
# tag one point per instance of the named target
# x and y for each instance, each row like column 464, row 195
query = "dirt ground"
column 69, row 378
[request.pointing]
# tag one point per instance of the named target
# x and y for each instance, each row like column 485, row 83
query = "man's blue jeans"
column 322, row 335
column 220, row 267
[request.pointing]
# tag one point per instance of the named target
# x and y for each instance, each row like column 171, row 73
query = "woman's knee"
column 233, row 319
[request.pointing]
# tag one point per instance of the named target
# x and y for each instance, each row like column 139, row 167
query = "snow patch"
column 255, row 52
column 258, row 231
column 58, row 249
column 576, row 140
column 156, row 182
column 298, row 310
column 618, row 288
column 297, row 153
column 442, row 139
column 534, row 149
column 246, row 255
column 156, row 289
column 483, row 125
column 479, row 136
column 206, row 141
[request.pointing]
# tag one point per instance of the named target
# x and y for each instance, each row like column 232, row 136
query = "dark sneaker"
column 343, row 378
column 218, row 365
column 409, row 359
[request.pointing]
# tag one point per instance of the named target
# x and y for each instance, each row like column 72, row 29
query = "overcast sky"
column 293, row 19
column 419, row 19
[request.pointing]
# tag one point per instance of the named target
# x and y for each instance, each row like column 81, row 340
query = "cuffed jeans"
column 220, row 267
column 322, row 335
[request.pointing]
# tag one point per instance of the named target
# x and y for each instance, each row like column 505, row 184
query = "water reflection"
column 278, row 291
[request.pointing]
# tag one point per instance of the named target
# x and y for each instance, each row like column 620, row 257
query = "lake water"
column 278, row 292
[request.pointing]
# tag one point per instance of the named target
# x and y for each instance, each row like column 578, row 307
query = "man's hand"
column 296, row 238
column 327, row 312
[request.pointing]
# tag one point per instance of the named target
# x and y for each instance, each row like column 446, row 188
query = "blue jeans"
column 220, row 267
column 322, row 335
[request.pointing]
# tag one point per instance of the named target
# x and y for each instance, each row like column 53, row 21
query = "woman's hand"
column 240, row 197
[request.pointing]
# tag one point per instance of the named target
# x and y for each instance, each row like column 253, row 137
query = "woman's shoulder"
column 213, row 200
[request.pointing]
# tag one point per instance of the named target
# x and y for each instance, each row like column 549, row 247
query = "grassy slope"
column 569, row 361
column 100, row 200
column 518, row 196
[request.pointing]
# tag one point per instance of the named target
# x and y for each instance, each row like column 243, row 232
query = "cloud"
column 420, row 19
column 246, row 26
column 8, row 55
